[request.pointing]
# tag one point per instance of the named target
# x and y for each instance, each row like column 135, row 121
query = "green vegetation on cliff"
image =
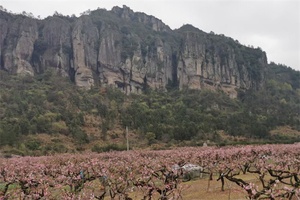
column 52, row 105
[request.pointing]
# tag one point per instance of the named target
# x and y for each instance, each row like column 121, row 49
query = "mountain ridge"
column 129, row 50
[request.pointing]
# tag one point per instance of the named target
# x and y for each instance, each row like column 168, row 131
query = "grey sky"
column 273, row 25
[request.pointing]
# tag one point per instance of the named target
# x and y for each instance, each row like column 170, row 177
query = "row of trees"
column 153, row 174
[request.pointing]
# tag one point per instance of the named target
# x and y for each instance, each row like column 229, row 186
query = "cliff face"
column 214, row 61
column 128, row 50
column 17, row 43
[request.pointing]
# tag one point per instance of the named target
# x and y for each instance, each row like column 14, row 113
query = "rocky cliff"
column 128, row 50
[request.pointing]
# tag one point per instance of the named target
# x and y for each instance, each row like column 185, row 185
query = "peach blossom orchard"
column 115, row 175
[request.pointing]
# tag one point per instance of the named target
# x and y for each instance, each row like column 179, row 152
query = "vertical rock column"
column 21, row 39
column 81, row 49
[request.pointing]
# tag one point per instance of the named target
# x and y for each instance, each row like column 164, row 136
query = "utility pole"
column 127, row 141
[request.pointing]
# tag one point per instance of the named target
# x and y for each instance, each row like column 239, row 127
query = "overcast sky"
column 273, row 25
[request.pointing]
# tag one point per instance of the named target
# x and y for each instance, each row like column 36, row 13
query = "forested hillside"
column 32, row 108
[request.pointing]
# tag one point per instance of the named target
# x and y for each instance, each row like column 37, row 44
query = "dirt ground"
column 202, row 189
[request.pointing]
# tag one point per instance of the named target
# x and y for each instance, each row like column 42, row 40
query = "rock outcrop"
column 213, row 61
column 128, row 50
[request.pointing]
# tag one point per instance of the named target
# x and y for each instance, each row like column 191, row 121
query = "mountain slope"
column 47, row 114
